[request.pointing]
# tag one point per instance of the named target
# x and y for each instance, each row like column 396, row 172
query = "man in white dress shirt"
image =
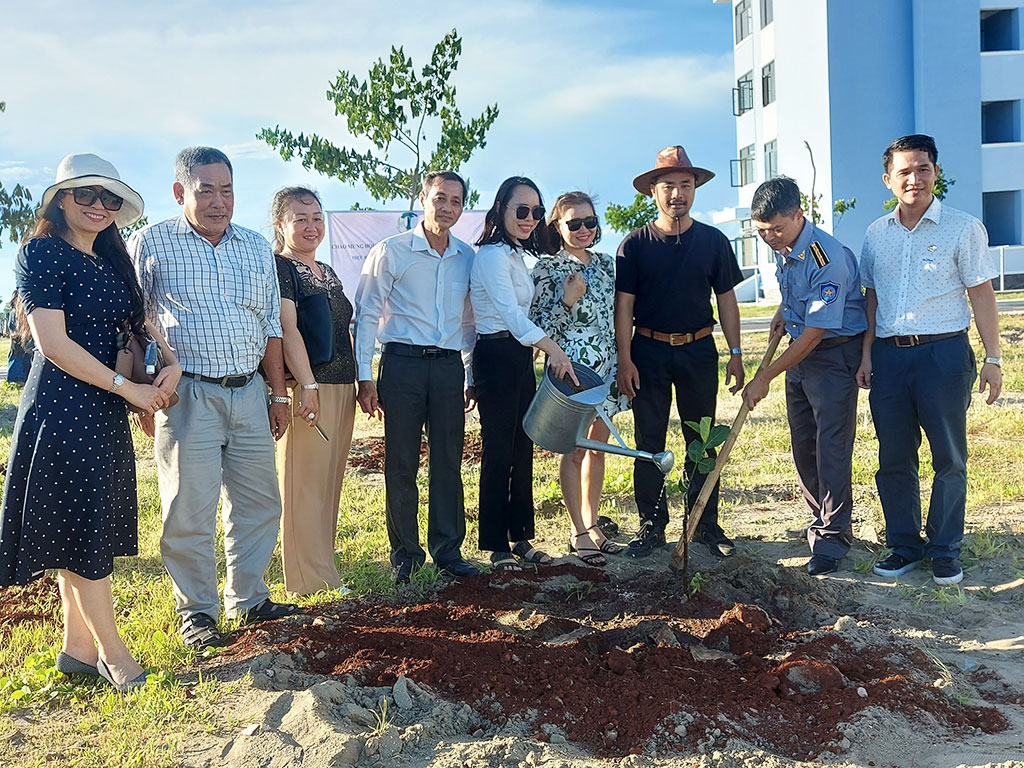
column 413, row 297
column 919, row 265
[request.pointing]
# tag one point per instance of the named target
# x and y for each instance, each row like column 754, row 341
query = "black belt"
column 231, row 382
column 919, row 339
column 414, row 350
column 835, row 341
column 495, row 335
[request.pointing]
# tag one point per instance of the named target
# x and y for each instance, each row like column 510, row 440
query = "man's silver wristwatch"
column 118, row 381
column 280, row 399
column 996, row 361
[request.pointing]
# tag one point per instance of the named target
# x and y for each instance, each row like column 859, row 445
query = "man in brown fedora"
column 666, row 272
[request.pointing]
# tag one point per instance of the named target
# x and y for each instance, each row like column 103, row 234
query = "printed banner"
column 354, row 233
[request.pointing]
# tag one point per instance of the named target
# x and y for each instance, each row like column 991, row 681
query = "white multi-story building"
column 839, row 79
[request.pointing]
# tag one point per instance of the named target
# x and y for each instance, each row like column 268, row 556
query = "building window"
column 771, row 159
column 1000, row 122
column 745, row 246
column 1000, row 30
column 744, row 20
column 742, row 170
column 743, row 94
column 768, row 83
column 767, row 13
column 1001, row 212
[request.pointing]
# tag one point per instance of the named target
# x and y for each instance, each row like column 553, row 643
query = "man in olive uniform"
column 823, row 312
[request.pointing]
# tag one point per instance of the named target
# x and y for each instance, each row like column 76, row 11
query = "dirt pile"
column 565, row 658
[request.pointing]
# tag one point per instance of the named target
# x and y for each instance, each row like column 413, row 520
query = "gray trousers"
column 216, row 443
column 821, row 403
column 416, row 393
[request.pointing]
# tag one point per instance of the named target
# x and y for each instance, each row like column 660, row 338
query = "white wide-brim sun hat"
column 87, row 170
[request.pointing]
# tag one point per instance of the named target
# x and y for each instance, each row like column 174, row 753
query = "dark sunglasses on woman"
column 537, row 211
column 86, row 196
column 573, row 225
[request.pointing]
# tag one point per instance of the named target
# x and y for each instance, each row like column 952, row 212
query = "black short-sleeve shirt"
column 673, row 276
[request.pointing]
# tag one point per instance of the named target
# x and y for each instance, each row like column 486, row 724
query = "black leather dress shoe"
column 459, row 568
column 822, row 564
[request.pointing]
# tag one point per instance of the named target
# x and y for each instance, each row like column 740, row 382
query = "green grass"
column 82, row 725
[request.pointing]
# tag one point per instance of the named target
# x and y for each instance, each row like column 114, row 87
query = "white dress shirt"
column 409, row 294
column 501, row 290
column 920, row 275
column 215, row 305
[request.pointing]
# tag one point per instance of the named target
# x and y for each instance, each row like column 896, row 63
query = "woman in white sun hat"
column 70, row 499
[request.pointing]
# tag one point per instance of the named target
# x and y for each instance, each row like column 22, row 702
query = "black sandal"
column 504, row 562
column 589, row 555
column 526, row 551
column 608, row 546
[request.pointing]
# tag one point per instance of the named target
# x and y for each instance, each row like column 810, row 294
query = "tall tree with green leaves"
column 17, row 214
column 391, row 109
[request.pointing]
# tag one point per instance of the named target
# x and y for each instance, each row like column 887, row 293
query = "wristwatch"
column 280, row 399
column 118, row 381
column 996, row 361
column 736, row 351
column 314, row 385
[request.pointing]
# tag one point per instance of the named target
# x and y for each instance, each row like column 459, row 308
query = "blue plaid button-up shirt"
column 217, row 306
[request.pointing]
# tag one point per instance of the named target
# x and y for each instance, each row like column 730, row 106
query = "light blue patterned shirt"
column 217, row 306
column 921, row 275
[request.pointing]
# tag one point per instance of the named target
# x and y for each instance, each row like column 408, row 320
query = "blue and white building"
column 845, row 77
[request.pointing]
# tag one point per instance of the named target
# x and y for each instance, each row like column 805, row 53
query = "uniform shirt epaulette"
column 820, row 257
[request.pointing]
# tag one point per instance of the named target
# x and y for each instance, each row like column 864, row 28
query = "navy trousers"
column 821, row 404
column 927, row 387
column 692, row 369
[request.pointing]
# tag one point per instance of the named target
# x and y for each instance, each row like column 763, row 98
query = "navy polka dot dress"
column 70, row 496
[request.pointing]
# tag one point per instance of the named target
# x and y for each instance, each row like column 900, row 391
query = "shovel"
column 676, row 563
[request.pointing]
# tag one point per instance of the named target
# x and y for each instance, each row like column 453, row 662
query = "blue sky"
column 587, row 91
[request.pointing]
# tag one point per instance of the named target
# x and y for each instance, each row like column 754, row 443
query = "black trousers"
column 693, row 370
column 417, row 392
column 821, row 404
column 505, row 385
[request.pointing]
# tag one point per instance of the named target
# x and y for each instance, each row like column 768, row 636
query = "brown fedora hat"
column 670, row 160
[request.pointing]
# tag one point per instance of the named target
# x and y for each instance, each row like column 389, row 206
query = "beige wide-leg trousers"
column 310, row 472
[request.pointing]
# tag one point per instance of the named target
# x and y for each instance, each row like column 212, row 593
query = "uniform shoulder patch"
column 829, row 292
column 820, row 257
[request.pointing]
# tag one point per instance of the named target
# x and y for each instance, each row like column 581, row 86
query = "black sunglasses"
column 86, row 196
column 522, row 211
column 573, row 225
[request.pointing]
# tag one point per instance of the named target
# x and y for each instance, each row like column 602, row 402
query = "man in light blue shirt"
column 211, row 288
column 920, row 264
column 413, row 297
column 822, row 310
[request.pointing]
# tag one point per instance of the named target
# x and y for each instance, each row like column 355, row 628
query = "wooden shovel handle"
column 723, row 457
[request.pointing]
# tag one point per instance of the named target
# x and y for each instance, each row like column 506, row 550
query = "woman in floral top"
column 574, row 303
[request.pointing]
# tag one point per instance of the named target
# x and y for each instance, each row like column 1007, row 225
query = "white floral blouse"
column 586, row 331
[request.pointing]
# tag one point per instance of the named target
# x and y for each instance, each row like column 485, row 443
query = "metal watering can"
column 560, row 416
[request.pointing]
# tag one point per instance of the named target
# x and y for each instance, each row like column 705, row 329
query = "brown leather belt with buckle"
column 919, row 339
column 675, row 339
column 229, row 382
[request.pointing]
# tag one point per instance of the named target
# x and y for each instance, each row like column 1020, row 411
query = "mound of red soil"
column 621, row 667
